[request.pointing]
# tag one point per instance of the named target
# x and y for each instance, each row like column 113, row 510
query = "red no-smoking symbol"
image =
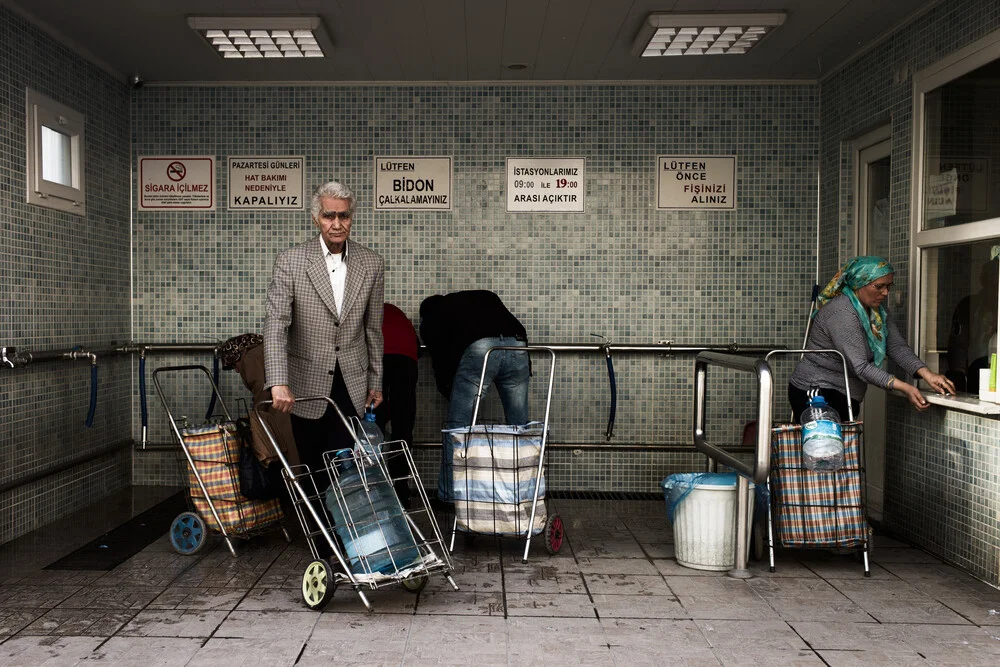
column 176, row 171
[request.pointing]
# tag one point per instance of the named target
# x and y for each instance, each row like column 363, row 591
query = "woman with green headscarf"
column 852, row 319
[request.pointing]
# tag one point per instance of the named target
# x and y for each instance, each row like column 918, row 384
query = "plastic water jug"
column 382, row 534
column 822, row 440
column 370, row 430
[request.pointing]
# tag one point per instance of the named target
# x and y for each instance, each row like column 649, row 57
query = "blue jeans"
column 507, row 370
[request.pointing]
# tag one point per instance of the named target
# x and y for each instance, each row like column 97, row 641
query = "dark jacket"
column 450, row 323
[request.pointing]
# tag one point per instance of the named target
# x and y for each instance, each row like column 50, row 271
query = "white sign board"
column 177, row 183
column 413, row 183
column 972, row 180
column 545, row 184
column 695, row 182
column 264, row 182
column 941, row 195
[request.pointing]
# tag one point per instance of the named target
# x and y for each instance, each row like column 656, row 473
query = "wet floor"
column 614, row 595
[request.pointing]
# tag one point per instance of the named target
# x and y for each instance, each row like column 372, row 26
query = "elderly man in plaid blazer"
column 323, row 327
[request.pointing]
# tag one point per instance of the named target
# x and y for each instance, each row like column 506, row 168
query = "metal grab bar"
column 761, row 464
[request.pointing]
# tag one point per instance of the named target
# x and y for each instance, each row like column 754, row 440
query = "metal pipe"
column 589, row 446
column 760, row 469
column 11, row 357
column 64, row 465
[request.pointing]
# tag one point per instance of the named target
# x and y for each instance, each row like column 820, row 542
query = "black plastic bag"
column 255, row 483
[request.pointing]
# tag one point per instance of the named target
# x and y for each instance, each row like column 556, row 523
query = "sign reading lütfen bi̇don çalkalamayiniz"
column 696, row 182
column 413, row 183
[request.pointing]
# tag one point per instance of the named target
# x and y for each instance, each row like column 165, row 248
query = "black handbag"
column 255, row 483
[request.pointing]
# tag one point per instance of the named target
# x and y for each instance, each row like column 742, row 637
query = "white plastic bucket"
column 705, row 520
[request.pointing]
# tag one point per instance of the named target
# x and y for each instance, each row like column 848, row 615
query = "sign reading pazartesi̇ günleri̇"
column 266, row 182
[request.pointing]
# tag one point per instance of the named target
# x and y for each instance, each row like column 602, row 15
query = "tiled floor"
column 613, row 596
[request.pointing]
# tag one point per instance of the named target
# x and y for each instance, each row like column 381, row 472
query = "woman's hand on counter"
column 937, row 382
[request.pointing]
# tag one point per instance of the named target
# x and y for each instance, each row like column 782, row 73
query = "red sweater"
column 398, row 332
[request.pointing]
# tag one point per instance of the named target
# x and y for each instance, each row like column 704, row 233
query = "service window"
column 55, row 135
column 957, row 211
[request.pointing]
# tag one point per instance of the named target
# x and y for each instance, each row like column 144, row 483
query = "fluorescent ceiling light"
column 703, row 34
column 234, row 37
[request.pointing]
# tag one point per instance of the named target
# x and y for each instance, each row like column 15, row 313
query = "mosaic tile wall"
column 65, row 282
column 941, row 467
column 622, row 269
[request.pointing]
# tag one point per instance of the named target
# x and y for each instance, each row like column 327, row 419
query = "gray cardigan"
column 838, row 327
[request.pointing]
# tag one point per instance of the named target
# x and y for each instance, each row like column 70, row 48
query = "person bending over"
column 458, row 330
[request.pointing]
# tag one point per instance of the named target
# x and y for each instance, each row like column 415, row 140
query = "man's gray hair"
column 334, row 189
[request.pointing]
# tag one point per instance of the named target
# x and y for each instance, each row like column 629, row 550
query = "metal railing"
column 759, row 469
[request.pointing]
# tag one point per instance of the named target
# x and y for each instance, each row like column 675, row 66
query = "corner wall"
column 64, row 282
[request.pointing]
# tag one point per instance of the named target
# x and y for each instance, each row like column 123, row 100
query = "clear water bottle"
column 822, row 440
column 370, row 430
column 383, row 536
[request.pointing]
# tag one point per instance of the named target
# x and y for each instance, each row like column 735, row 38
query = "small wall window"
column 55, row 155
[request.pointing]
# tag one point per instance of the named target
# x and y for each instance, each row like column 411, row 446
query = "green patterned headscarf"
column 855, row 274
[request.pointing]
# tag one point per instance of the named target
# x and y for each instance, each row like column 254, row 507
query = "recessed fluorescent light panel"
column 703, row 34
column 261, row 37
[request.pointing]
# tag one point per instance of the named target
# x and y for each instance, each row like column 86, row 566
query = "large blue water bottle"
column 383, row 537
column 822, row 439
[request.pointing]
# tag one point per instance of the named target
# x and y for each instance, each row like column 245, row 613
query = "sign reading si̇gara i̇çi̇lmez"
column 545, row 184
column 263, row 182
column 177, row 183
column 413, row 183
column 695, row 182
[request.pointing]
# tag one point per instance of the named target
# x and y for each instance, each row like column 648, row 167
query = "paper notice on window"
column 941, row 195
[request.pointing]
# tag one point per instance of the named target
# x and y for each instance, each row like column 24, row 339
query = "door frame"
column 869, row 148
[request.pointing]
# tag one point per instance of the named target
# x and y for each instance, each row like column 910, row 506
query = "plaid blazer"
column 303, row 336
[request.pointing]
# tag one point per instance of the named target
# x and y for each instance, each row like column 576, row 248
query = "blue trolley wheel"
column 187, row 533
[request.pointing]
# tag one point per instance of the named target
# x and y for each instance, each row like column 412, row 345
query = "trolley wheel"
column 415, row 584
column 554, row 534
column 318, row 584
column 187, row 533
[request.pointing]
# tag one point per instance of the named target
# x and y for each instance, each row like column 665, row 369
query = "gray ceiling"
column 464, row 40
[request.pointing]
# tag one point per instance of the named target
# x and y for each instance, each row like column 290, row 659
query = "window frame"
column 959, row 63
column 42, row 111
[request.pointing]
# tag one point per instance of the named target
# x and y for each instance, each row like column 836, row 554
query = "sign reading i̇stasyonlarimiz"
column 413, row 183
column 177, row 182
column 696, row 182
column 545, row 184
column 263, row 182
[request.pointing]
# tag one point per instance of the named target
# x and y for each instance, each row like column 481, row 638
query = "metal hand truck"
column 818, row 509
column 213, row 453
column 499, row 470
column 351, row 505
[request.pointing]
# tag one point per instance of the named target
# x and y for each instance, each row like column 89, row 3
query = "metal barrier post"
column 760, row 468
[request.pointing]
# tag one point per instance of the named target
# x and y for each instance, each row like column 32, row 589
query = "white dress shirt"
column 337, row 270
